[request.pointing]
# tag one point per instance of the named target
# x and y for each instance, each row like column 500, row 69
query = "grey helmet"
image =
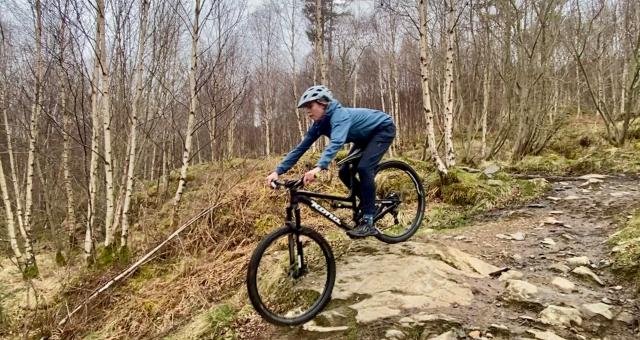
column 316, row 92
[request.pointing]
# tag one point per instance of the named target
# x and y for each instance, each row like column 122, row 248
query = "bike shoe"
column 364, row 229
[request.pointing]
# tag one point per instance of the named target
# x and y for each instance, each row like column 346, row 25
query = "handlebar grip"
column 288, row 184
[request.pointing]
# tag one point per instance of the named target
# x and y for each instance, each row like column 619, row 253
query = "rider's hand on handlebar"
column 310, row 175
column 272, row 177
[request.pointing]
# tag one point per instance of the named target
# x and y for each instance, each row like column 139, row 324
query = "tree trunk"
column 95, row 133
column 485, row 110
column 193, row 107
column 12, row 164
column 213, row 126
column 319, row 42
column 11, row 227
column 426, row 92
column 70, row 220
column 33, row 131
column 231, row 137
column 623, row 88
column 106, row 125
column 142, row 32
column 449, row 95
column 578, row 88
column 355, row 86
column 294, row 71
column 381, row 85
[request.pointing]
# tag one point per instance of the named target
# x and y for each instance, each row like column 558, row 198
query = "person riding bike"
column 371, row 131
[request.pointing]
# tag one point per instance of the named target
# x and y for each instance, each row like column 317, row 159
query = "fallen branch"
column 137, row 264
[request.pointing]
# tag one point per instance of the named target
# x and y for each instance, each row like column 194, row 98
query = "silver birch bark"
column 213, row 124
column 142, row 33
column 106, row 126
column 95, row 133
column 30, row 260
column 35, row 115
column 623, row 88
column 9, row 219
column 355, row 85
column 396, row 100
column 231, row 137
column 578, row 87
column 320, row 43
column 381, row 85
column 292, row 54
column 426, row 92
column 12, row 166
column 449, row 95
column 485, row 110
column 70, row 220
column 152, row 170
column 193, row 106
column 267, row 112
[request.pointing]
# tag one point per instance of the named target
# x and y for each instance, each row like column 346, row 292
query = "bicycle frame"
column 306, row 198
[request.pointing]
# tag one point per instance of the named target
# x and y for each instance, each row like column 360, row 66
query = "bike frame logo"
column 324, row 212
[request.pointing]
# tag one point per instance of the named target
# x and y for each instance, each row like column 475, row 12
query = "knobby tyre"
column 280, row 290
column 400, row 201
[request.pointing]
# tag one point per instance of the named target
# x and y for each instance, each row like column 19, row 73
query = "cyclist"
column 369, row 130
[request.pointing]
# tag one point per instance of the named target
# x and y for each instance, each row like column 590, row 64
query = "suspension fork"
column 297, row 267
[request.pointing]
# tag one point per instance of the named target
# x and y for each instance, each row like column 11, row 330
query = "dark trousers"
column 372, row 153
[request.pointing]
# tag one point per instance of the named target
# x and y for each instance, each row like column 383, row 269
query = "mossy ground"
column 626, row 248
column 453, row 202
column 580, row 148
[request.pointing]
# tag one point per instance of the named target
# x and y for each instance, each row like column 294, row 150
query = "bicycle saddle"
column 354, row 156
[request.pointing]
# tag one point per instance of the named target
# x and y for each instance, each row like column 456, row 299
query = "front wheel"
column 291, row 276
column 400, row 201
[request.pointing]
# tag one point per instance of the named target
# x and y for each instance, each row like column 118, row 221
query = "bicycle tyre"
column 253, row 284
column 420, row 197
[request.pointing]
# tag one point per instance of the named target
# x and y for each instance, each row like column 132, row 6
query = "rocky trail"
column 540, row 271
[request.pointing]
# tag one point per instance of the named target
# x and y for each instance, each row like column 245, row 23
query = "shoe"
column 364, row 229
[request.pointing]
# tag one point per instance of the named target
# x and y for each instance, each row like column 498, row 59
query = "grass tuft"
column 220, row 320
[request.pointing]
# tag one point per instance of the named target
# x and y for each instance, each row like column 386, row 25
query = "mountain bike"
column 292, row 271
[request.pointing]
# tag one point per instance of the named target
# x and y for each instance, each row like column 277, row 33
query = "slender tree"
column 142, row 39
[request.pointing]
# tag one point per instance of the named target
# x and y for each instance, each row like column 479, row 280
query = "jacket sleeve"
column 340, row 124
column 294, row 155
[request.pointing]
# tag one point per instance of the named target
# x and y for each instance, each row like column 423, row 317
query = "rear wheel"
column 291, row 276
column 400, row 201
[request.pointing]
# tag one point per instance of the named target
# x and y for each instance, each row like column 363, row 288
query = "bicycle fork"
column 297, row 267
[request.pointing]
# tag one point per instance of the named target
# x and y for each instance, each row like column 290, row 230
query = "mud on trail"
column 455, row 284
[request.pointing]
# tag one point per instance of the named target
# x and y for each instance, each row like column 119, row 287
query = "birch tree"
column 106, row 126
column 319, row 44
column 70, row 220
column 95, row 131
column 449, row 95
column 288, row 19
column 142, row 39
column 426, row 91
column 36, row 108
column 8, row 209
column 193, row 105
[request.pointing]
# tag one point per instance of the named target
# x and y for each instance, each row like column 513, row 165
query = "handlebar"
column 288, row 184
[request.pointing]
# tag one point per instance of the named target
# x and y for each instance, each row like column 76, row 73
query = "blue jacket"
column 341, row 125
